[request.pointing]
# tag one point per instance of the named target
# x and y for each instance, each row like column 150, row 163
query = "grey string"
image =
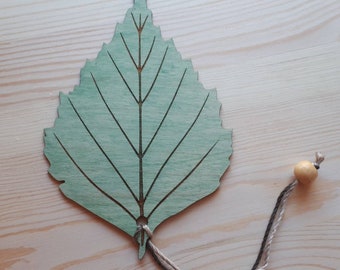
column 160, row 258
column 262, row 259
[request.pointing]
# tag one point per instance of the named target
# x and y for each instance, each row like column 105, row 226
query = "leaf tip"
column 140, row 4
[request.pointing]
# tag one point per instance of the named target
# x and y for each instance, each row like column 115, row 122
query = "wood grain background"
column 276, row 67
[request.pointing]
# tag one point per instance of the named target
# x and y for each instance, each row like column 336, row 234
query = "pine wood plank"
column 275, row 65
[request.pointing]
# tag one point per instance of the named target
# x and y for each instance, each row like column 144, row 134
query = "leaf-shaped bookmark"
column 139, row 139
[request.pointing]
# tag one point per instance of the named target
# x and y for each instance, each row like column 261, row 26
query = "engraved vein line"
column 142, row 27
column 113, row 116
column 166, row 113
column 128, row 50
column 178, row 144
column 148, row 56
column 102, row 150
column 92, row 182
column 121, row 75
column 158, row 71
column 134, row 21
column 183, row 180
column 139, row 46
column 139, row 27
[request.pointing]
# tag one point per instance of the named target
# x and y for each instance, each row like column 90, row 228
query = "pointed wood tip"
column 141, row 251
column 140, row 4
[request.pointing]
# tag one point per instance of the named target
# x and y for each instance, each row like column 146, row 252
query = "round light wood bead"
column 305, row 172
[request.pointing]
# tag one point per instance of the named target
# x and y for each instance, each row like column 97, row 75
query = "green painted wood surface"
column 139, row 139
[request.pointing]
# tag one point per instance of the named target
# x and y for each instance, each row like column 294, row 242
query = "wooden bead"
column 305, row 172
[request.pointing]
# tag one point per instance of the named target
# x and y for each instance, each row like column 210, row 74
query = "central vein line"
column 141, row 200
column 140, row 105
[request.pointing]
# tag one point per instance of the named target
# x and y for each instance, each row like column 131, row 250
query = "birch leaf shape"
column 139, row 139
